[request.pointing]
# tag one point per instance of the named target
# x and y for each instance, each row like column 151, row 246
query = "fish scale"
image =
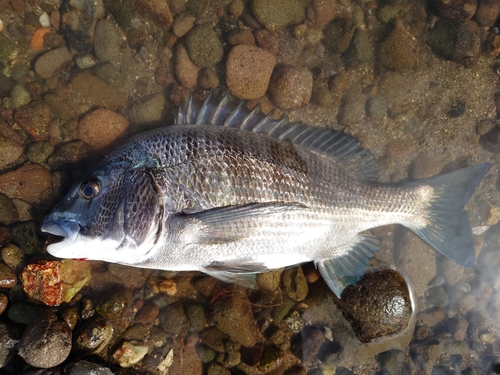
column 231, row 192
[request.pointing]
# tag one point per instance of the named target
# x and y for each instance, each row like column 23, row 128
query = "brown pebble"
column 267, row 40
column 424, row 166
column 30, row 183
column 185, row 70
column 458, row 327
column 244, row 36
column 4, row 302
column 487, row 12
column 324, row 11
column 431, row 317
column 147, row 315
column 183, row 23
column 102, row 128
column 291, row 87
column 7, row 277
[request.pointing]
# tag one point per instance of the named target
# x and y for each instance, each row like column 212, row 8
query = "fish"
column 232, row 192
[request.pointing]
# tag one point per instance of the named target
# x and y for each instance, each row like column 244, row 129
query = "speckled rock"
column 94, row 335
column 102, row 128
column 147, row 315
column 85, row 61
column 8, row 210
column 39, row 152
column 276, row 14
column 78, row 22
column 459, row 10
column 98, row 92
column 436, row 297
column 10, row 151
column 24, row 313
column 53, row 282
column 213, row 338
column 208, row 79
column 269, row 280
column 376, row 108
column 185, row 70
column 69, row 155
column 173, row 319
column 53, row 62
column 243, row 36
column 157, row 10
column 377, row 305
column 148, row 109
column 487, row 12
column 398, row 51
column 183, row 23
column 291, row 87
column 233, row 316
column 197, row 316
column 87, row 368
column 203, row 46
column 416, row 259
column 34, row 119
column 248, row 71
column 46, row 342
column 267, row 40
column 31, row 183
column 106, row 40
column 451, row 40
column 338, row 34
column 129, row 353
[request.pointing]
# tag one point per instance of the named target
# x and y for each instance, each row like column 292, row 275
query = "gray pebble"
column 106, row 40
column 19, row 96
column 205, row 353
column 85, row 61
column 87, row 368
column 46, row 342
column 52, row 62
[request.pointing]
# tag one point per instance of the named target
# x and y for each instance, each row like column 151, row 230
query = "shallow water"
column 419, row 113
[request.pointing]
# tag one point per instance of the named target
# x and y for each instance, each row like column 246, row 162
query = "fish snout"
column 66, row 229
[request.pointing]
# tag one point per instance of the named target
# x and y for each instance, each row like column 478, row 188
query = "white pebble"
column 44, row 20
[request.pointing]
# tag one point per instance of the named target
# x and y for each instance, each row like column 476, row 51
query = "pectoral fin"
column 242, row 272
column 344, row 270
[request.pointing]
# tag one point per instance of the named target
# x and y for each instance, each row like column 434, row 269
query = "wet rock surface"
column 416, row 82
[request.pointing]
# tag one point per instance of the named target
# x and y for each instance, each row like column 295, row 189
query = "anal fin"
column 344, row 270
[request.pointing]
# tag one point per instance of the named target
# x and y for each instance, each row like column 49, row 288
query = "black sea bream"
column 231, row 192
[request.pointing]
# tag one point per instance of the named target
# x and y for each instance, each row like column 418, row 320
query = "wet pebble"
column 267, row 40
column 4, row 302
column 10, row 151
column 487, row 12
column 7, row 48
column 451, row 271
column 295, row 283
column 9, row 337
column 98, row 92
column 5, row 236
column 436, row 297
column 244, row 36
column 53, row 62
column 248, row 71
column 85, row 61
column 216, row 369
column 102, row 128
column 87, row 368
column 35, row 119
column 233, row 316
column 25, row 236
column 53, row 282
column 457, row 326
column 78, row 22
column 208, row 79
column 398, row 51
column 424, row 166
column 19, row 96
column 203, row 46
column 353, row 108
column 93, row 335
column 183, row 23
column 459, row 10
column 8, row 210
column 376, row 108
column 324, row 12
column 206, row 353
column 377, row 305
column 39, row 152
column 110, row 74
column 291, row 87
column 491, row 139
column 338, row 34
column 7, row 277
column 276, row 14
column 451, row 40
column 173, row 318
column 69, row 155
column 24, row 312
column 269, row 280
column 148, row 109
column 197, row 316
column 106, row 40
column 113, row 307
column 129, row 353
column 71, row 316
column 147, row 314
column 185, row 70
column 46, row 341
column 213, row 338
column 426, row 354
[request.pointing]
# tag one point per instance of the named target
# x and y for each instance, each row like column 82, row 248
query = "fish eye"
column 89, row 188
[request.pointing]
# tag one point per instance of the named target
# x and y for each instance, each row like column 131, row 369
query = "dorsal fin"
column 343, row 147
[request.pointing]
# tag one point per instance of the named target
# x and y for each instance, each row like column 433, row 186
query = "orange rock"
column 102, row 128
column 37, row 40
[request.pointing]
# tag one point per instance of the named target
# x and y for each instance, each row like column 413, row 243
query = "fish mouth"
column 67, row 229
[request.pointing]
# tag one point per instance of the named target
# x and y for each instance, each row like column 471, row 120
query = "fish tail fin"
column 445, row 225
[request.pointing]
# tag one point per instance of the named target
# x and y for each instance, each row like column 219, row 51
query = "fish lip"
column 67, row 229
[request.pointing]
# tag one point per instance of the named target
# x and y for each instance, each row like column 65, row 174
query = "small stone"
column 25, row 236
column 35, row 119
column 267, row 40
column 269, row 280
column 183, row 23
column 102, row 129
column 185, row 70
column 9, row 337
column 295, row 283
column 94, row 335
column 147, row 315
column 4, row 302
column 158, row 10
column 459, row 10
column 206, row 353
column 437, row 297
column 277, row 14
column 173, row 319
column 338, row 34
column 106, row 40
column 52, row 40
column 424, row 166
column 208, row 79
column 281, row 338
column 197, row 317
column 491, row 139
column 130, row 353
column 458, row 327
column 360, row 49
column 122, row 10
column 7, row 277
column 213, row 338
column 398, row 51
column 39, row 152
column 71, row 316
column 322, row 96
column 87, row 368
column 451, row 40
column 431, row 317
column 98, row 92
column 53, row 282
column 113, row 307
column 216, row 369
column 19, row 96
column 69, row 155
column 85, row 61
column 376, row 108
column 487, row 12
column 377, row 305
column 46, row 341
column 24, row 313
column 78, row 23
column 203, row 46
column 233, row 316
column 8, row 210
column 248, row 71
column 109, row 74
column 53, row 62
column 7, row 48
column 5, row 236
column 352, row 110
column 324, row 11
column 30, row 183
column 10, row 151
column 148, row 109
column 243, row 36
column 291, row 87
column 270, row 359
column 451, row 271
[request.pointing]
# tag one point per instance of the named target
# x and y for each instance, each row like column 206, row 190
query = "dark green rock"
column 23, row 312
column 7, row 48
column 39, row 152
column 197, row 316
column 203, row 46
column 338, row 34
column 206, row 353
column 451, row 40
column 113, row 307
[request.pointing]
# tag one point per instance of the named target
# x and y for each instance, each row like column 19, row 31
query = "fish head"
column 113, row 214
